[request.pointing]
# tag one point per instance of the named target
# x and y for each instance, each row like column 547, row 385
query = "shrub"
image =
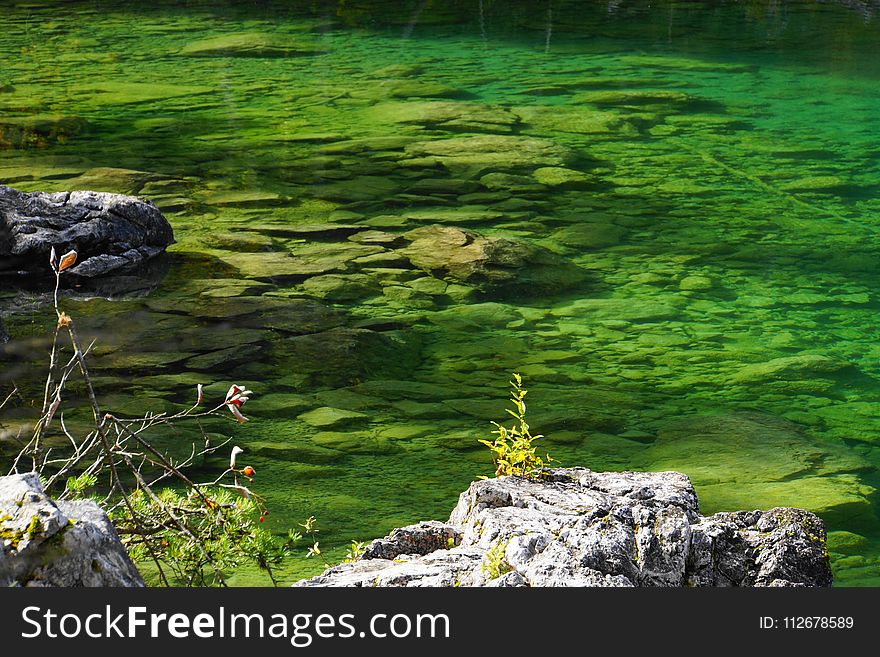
column 514, row 448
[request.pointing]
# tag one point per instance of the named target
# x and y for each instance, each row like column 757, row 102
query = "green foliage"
column 80, row 484
column 494, row 563
column 514, row 449
column 315, row 549
column 222, row 532
column 355, row 551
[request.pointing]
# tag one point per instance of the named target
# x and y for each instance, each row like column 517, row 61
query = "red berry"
column 262, row 518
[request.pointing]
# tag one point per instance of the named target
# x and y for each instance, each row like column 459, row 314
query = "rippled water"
column 702, row 180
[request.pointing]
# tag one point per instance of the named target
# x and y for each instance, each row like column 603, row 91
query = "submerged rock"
column 492, row 263
column 47, row 543
column 110, row 232
column 452, row 116
column 474, row 154
column 575, row 527
column 250, row 44
column 802, row 366
column 37, row 130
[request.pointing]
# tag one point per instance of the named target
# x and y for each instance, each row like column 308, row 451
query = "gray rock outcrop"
column 110, row 232
column 46, row 543
column 576, row 527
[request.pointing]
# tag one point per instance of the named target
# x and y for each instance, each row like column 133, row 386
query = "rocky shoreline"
column 572, row 527
column 575, row 527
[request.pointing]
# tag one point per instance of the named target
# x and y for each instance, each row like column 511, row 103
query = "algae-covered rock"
column 38, row 130
column 488, row 152
column 342, row 356
column 818, row 184
column 341, row 287
column 646, row 310
column 407, row 88
column 280, row 404
column 636, row 98
column 802, row 366
column 453, row 116
column 588, row 235
column 578, row 120
column 758, row 460
column 560, row 177
column 251, row 44
column 695, row 283
column 275, row 265
column 492, row 263
column 111, row 179
column 108, row 92
column 326, row 417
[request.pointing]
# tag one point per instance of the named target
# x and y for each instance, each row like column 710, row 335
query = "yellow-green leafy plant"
column 514, row 448
column 355, row 551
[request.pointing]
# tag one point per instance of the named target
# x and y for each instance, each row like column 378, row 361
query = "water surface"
column 711, row 169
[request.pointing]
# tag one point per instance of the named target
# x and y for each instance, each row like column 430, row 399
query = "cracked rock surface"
column 575, row 527
column 48, row 543
column 110, row 232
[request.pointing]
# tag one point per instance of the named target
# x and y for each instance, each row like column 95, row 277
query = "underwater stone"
column 326, row 417
column 492, row 263
column 112, row 179
column 340, row 357
column 575, row 527
column 110, row 232
column 645, row 310
column 696, row 283
column 251, row 44
column 635, row 98
column 511, row 183
column 803, row 366
column 468, row 155
column 577, row 120
column 37, row 130
column 560, row 177
column 589, row 235
column 455, row 116
column 407, row 89
column 342, row 287
column 821, row 184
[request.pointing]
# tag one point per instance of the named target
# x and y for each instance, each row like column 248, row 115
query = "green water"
column 712, row 168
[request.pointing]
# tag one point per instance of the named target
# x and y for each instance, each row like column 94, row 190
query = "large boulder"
column 46, row 543
column 575, row 527
column 110, row 232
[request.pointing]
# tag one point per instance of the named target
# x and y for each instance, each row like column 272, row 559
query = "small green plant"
column 494, row 563
column 315, row 548
column 355, row 551
column 80, row 484
column 514, row 449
